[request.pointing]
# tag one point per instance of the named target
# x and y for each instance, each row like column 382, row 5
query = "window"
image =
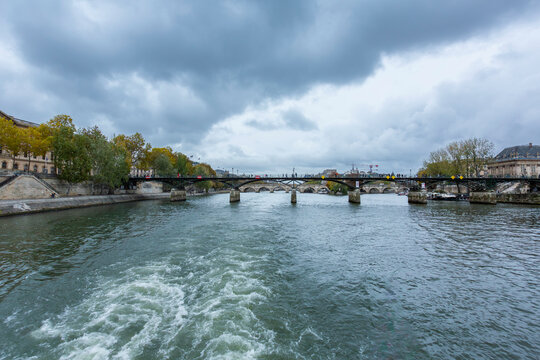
column 16, row 166
column 44, row 170
column 4, row 165
column 35, row 168
column 52, row 169
column 25, row 167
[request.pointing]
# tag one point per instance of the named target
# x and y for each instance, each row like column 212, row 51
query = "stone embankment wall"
column 31, row 187
column 527, row 199
column 25, row 187
column 483, row 198
column 17, row 207
column 83, row 188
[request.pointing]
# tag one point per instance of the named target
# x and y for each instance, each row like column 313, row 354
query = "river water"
column 264, row 279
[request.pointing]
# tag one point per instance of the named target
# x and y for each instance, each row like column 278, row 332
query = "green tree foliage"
column 32, row 141
column 465, row 157
column 162, row 161
column 183, row 165
column 162, row 166
column 61, row 121
column 204, row 170
column 136, row 148
column 72, row 155
column 88, row 154
column 11, row 137
column 337, row 188
column 109, row 165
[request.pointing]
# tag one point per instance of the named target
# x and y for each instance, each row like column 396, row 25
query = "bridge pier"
column 354, row 196
column 235, row 196
column 483, row 198
column 293, row 196
column 417, row 197
column 178, row 195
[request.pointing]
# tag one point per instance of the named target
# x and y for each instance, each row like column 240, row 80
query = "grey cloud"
column 290, row 119
column 230, row 54
column 262, row 124
column 294, row 119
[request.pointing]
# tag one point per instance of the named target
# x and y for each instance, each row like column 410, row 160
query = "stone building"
column 24, row 162
column 516, row 161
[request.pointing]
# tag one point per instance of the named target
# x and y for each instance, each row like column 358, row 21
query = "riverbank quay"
column 29, row 206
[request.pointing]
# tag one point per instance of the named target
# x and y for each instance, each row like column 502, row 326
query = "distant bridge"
column 307, row 187
column 355, row 185
column 351, row 182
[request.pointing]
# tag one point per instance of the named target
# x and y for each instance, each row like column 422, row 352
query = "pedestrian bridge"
column 355, row 185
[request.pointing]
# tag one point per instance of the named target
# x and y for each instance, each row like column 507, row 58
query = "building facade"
column 516, row 161
column 25, row 162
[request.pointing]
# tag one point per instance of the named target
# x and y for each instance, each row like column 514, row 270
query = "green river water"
column 264, row 279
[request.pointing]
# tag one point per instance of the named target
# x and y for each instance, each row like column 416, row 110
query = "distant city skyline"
column 263, row 86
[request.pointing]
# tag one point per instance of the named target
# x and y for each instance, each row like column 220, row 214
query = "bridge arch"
column 374, row 191
column 388, row 191
column 249, row 189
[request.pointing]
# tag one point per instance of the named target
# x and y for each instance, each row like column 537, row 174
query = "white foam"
column 121, row 317
column 156, row 306
column 221, row 305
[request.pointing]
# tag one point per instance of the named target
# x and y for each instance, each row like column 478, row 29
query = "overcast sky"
column 264, row 86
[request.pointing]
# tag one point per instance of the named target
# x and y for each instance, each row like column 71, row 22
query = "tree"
column 337, row 188
column 465, row 157
column 183, row 165
column 136, row 148
column 162, row 166
column 477, row 152
column 162, row 161
column 34, row 141
column 11, row 138
column 72, row 155
column 109, row 165
column 61, row 121
column 438, row 164
column 204, row 170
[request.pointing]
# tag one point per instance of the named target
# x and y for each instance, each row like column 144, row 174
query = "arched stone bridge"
column 273, row 187
column 369, row 188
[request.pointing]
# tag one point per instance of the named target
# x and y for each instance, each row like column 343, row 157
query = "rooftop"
column 19, row 122
column 519, row 152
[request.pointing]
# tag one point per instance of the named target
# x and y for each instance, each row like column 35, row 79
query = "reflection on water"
column 264, row 279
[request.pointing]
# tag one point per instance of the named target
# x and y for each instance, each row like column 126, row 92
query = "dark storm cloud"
column 182, row 66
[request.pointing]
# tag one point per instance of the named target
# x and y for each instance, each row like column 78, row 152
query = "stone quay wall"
column 18, row 207
column 483, row 198
column 526, row 199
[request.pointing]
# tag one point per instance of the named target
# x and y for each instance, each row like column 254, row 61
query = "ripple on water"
column 222, row 291
column 125, row 314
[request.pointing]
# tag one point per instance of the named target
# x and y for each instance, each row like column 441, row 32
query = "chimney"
column 530, row 145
